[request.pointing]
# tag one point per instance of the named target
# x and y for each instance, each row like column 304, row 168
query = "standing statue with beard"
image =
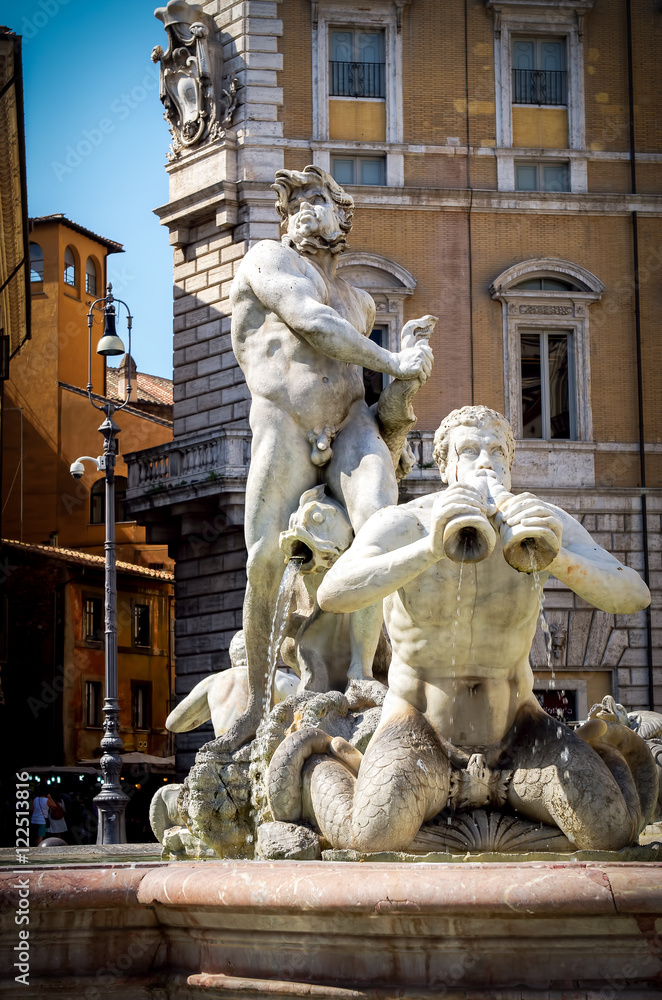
column 300, row 333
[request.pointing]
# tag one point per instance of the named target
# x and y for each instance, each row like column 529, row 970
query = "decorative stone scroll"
column 196, row 107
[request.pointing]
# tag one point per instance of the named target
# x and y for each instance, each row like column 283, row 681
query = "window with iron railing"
column 357, row 67
column 36, row 262
column 539, row 73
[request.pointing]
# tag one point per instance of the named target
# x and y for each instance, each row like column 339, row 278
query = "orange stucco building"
column 54, row 526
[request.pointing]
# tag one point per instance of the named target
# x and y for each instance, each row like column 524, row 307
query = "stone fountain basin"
column 572, row 929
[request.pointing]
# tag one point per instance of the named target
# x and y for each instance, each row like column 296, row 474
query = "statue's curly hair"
column 471, row 416
column 288, row 181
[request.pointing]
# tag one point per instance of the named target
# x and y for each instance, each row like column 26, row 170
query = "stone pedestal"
column 342, row 930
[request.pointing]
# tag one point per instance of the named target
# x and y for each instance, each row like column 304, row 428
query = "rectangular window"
column 93, row 704
column 357, row 65
column 542, row 177
column 559, row 703
column 359, row 169
column 141, row 629
column 141, row 703
column 539, row 71
column 374, row 381
column 547, row 380
column 93, row 619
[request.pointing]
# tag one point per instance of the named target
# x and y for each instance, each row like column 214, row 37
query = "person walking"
column 39, row 817
column 57, row 824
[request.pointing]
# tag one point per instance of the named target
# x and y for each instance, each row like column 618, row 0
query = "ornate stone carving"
column 480, row 830
column 479, row 745
column 536, row 310
column 197, row 108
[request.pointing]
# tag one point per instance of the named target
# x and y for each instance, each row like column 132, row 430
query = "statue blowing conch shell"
column 454, row 752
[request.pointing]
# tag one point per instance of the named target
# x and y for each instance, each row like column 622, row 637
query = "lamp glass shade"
column 110, row 346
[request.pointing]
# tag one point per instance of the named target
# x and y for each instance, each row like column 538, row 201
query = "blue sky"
column 96, row 144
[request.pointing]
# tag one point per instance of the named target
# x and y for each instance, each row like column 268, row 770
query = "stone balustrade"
column 176, row 467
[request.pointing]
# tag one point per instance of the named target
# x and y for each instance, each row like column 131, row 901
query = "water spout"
column 469, row 538
column 524, row 547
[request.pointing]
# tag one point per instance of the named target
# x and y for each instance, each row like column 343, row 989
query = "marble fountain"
column 405, row 820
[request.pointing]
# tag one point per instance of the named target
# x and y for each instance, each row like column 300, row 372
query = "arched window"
column 70, row 269
column 98, row 500
column 90, row 277
column 36, row 262
column 545, row 305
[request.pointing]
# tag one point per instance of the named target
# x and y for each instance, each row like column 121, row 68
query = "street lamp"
column 111, row 801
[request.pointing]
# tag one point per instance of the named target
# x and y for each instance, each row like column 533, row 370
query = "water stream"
column 279, row 625
column 547, row 635
column 456, row 623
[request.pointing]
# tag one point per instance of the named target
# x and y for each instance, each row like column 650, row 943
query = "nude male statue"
column 460, row 681
column 300, row 333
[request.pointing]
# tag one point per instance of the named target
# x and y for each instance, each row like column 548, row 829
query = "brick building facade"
column 506, row 164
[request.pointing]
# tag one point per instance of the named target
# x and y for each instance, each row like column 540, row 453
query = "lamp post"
column 111, row 801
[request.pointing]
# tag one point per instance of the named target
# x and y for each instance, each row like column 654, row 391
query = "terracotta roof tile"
column 151, row 388
column 112, row 246
column 87, row 559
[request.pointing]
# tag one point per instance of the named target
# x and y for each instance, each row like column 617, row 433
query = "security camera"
column 77, row 470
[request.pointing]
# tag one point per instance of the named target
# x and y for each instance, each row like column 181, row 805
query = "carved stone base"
column 287, row 841
column 478, row 831
column 290, row 929
column 215, row 803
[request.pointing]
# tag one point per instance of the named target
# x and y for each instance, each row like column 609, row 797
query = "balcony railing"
column 185, row 463
column 540, row 86
column 357, row 79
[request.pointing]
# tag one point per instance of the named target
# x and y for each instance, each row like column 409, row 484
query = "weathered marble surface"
column 460, row 727
column 300, row 334
column 532, row 930
column 462, row 753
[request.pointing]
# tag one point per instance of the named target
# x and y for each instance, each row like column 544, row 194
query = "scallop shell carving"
column 479, row 830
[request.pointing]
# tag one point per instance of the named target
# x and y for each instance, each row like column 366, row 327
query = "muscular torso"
column 280, row 366
column 460, row 650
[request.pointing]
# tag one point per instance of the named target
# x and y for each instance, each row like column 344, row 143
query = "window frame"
column 525, row 310
column 146, row 687
column 342, row 13
column 98, row 490
column 134, row 625
column 39, row 280
column 538, row 38
column 98, row 686
column 511, row 19
column 89, row 637
column 76, row 267
column 91, row 261
column 538, row 164
column 355, row 29
column 339, row 155
column 544, row 332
